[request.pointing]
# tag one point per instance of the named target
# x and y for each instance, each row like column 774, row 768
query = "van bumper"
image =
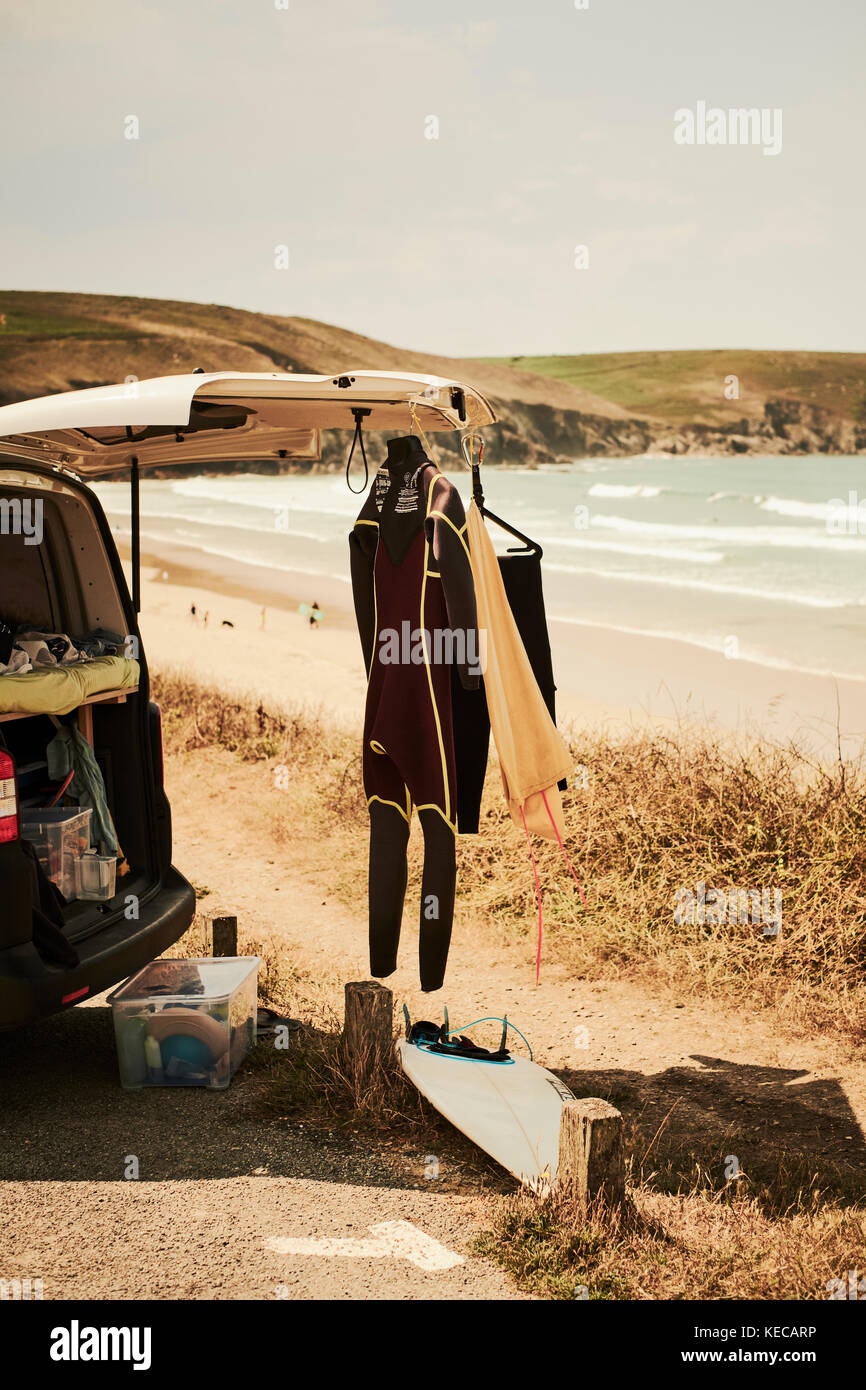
column 30, row 989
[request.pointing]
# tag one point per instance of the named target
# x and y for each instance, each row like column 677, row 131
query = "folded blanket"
column 59, row 689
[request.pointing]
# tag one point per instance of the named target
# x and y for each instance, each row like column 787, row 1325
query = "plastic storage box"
column 95, row 876
column 60, row 836
column 186, row 1022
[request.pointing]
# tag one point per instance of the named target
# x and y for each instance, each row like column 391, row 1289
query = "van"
column 61, row 576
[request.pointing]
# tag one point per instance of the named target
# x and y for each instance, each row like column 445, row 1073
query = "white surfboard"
column 509, row 1109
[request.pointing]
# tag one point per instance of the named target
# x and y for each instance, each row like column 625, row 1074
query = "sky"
column 467, row 177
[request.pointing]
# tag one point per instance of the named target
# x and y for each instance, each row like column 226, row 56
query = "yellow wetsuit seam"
column 384, row 802
column 457, row 531
column 447, row 796
column 362, row 521
column 431, row 806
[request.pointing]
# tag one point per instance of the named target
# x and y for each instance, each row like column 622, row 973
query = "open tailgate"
column 201, row 417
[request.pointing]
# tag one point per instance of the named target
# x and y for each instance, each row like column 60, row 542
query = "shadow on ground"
column 687, row 1123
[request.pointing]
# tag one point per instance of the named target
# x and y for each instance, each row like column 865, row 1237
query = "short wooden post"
column 224, row 934
column 368, row 1035
column 591, row 1153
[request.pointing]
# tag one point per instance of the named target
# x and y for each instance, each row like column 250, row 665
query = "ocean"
column 762, row 558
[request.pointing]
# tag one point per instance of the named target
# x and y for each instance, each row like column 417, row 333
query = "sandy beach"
column 605, row 678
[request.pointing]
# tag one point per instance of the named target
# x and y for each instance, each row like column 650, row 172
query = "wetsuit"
column 415, row 605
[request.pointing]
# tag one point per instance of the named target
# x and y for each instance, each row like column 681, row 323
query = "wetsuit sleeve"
column 446, row 531
column 362, row 556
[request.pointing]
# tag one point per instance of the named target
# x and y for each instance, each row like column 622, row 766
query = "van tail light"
column 8, row 799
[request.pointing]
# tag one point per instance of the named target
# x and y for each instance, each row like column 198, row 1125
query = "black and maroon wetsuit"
column 415, row 605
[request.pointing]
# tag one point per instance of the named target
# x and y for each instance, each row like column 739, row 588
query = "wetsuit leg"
column 389, row 837
column 437, row 898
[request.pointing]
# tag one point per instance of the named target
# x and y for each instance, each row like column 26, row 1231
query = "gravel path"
column 213, row 1189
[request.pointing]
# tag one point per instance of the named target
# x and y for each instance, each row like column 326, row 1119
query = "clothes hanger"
column 527, row 546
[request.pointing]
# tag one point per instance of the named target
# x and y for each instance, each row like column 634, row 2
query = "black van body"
column 153, row 904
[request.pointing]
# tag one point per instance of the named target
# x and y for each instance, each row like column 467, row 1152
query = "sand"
column 605, row 678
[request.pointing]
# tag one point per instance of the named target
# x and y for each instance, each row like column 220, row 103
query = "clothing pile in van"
column 434, row 616
column 27, row 650
column 53, row 673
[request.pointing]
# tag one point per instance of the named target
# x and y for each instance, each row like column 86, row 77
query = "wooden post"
column 224, row 934
column 368, row 1035
column 591, row 1154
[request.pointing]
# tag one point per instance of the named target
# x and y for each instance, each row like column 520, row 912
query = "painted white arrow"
column 397, row 1240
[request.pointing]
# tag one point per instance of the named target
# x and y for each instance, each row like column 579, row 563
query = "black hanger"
column 359, row 414
column 527, row 546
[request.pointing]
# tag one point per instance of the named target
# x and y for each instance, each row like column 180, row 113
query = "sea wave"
column 220, row 523
column 836, row 509
column 271, row 494
column 222, row 553
column 669, row 581
column 782, row 537
column 651, row 552
column 623, row 490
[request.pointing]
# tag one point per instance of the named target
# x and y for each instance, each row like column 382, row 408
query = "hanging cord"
column 535, row 875
column 537, row 895
column 414, row 426
column 360, row 413
column 562, row 847
column 495, row 1019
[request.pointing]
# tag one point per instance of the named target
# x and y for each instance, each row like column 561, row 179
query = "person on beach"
column 315, row 615
column 192, row 611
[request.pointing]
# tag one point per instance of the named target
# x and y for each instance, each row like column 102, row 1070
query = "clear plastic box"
column 95, row 876
column 60, row 836
column 186, row 1022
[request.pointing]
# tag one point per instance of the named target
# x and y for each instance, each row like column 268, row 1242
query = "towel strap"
column 537, row 895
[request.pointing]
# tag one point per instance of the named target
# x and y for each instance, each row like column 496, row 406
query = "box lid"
column 187, row 980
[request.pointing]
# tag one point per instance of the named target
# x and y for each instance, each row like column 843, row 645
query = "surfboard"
column 511, row 1109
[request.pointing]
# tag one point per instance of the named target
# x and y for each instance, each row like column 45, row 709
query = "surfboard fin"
column 407, row 1019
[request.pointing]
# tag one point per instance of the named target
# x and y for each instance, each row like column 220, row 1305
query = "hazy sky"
column 306, row 126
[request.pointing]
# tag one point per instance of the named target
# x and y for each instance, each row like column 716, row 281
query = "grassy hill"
column 689, row 386
column 550, row 409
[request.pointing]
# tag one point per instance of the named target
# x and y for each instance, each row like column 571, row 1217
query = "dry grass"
column 659, row 814
column 695, row 1246
column 662, row 813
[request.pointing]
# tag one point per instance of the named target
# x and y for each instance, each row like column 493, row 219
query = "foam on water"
column 695, row 550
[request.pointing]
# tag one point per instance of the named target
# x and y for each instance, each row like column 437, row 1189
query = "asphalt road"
column 223, row 1205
